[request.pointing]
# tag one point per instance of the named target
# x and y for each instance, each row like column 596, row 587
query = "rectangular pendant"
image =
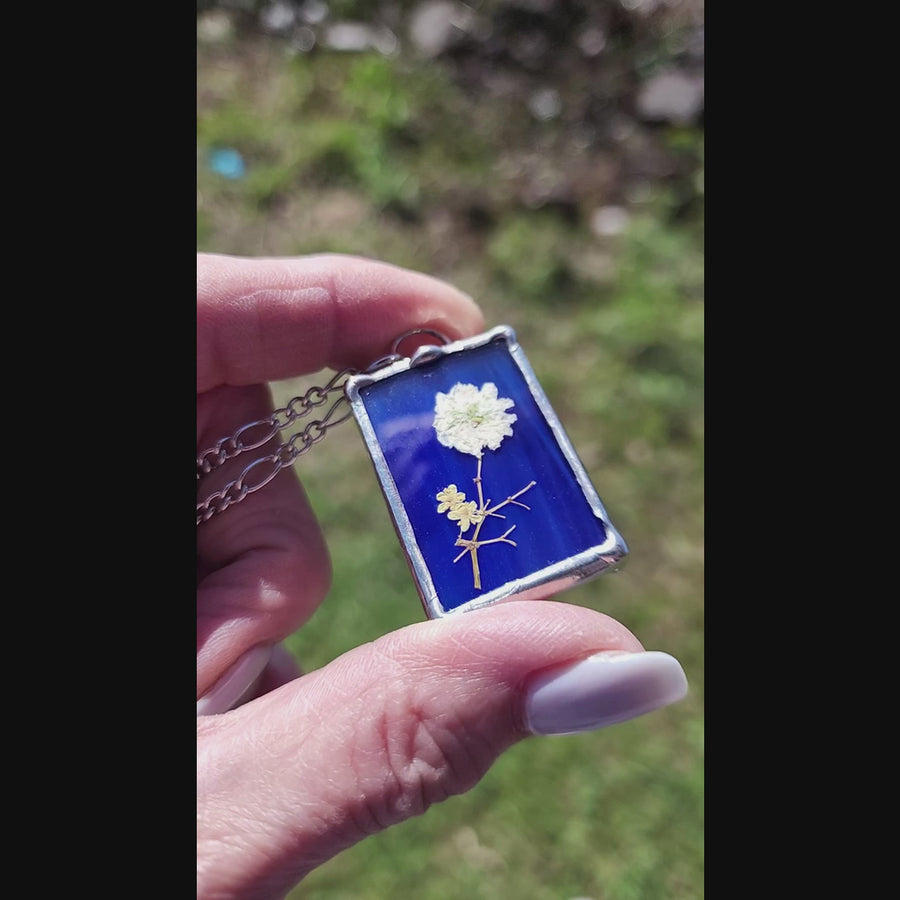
column 487, row 494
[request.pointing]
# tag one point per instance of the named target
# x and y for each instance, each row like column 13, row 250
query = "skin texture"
column 314, row 763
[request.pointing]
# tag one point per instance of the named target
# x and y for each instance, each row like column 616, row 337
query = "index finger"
column 268, row 319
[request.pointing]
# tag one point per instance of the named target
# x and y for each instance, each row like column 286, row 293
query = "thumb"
column 375, row 737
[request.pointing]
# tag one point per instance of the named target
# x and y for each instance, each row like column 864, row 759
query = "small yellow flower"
column 465, row 514
column 450, row 498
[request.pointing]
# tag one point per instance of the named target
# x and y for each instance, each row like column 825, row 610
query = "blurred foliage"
column 517, row 163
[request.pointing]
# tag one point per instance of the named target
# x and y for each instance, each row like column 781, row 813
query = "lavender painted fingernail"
column 603, row 689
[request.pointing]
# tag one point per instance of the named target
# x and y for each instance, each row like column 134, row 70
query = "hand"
column 311, row 764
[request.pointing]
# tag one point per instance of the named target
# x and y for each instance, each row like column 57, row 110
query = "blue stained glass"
column 558, row 524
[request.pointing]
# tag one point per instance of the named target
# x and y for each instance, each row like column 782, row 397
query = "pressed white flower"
column 469, row 419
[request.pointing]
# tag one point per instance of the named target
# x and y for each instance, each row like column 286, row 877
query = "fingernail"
column 235, row 684
column 603, row 689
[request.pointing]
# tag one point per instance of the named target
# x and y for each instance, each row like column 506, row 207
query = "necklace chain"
column 253, row 435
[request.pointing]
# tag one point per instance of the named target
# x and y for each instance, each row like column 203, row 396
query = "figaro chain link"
column 253, row 435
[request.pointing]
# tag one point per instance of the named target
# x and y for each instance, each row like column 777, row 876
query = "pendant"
column 487, row 494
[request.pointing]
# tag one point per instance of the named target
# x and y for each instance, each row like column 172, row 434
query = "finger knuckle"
column 426, row 757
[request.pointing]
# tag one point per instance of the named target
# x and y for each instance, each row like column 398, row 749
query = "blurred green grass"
column 394, row 158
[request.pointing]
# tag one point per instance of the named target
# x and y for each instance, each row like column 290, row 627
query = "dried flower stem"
column 470, row 419
column 472, row 544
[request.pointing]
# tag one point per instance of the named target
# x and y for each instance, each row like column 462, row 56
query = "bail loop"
column 395, row 347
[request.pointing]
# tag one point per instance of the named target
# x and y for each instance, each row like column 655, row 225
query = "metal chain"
column 253, row 435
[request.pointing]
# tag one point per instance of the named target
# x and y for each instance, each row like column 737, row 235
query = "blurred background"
column 547, row 158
